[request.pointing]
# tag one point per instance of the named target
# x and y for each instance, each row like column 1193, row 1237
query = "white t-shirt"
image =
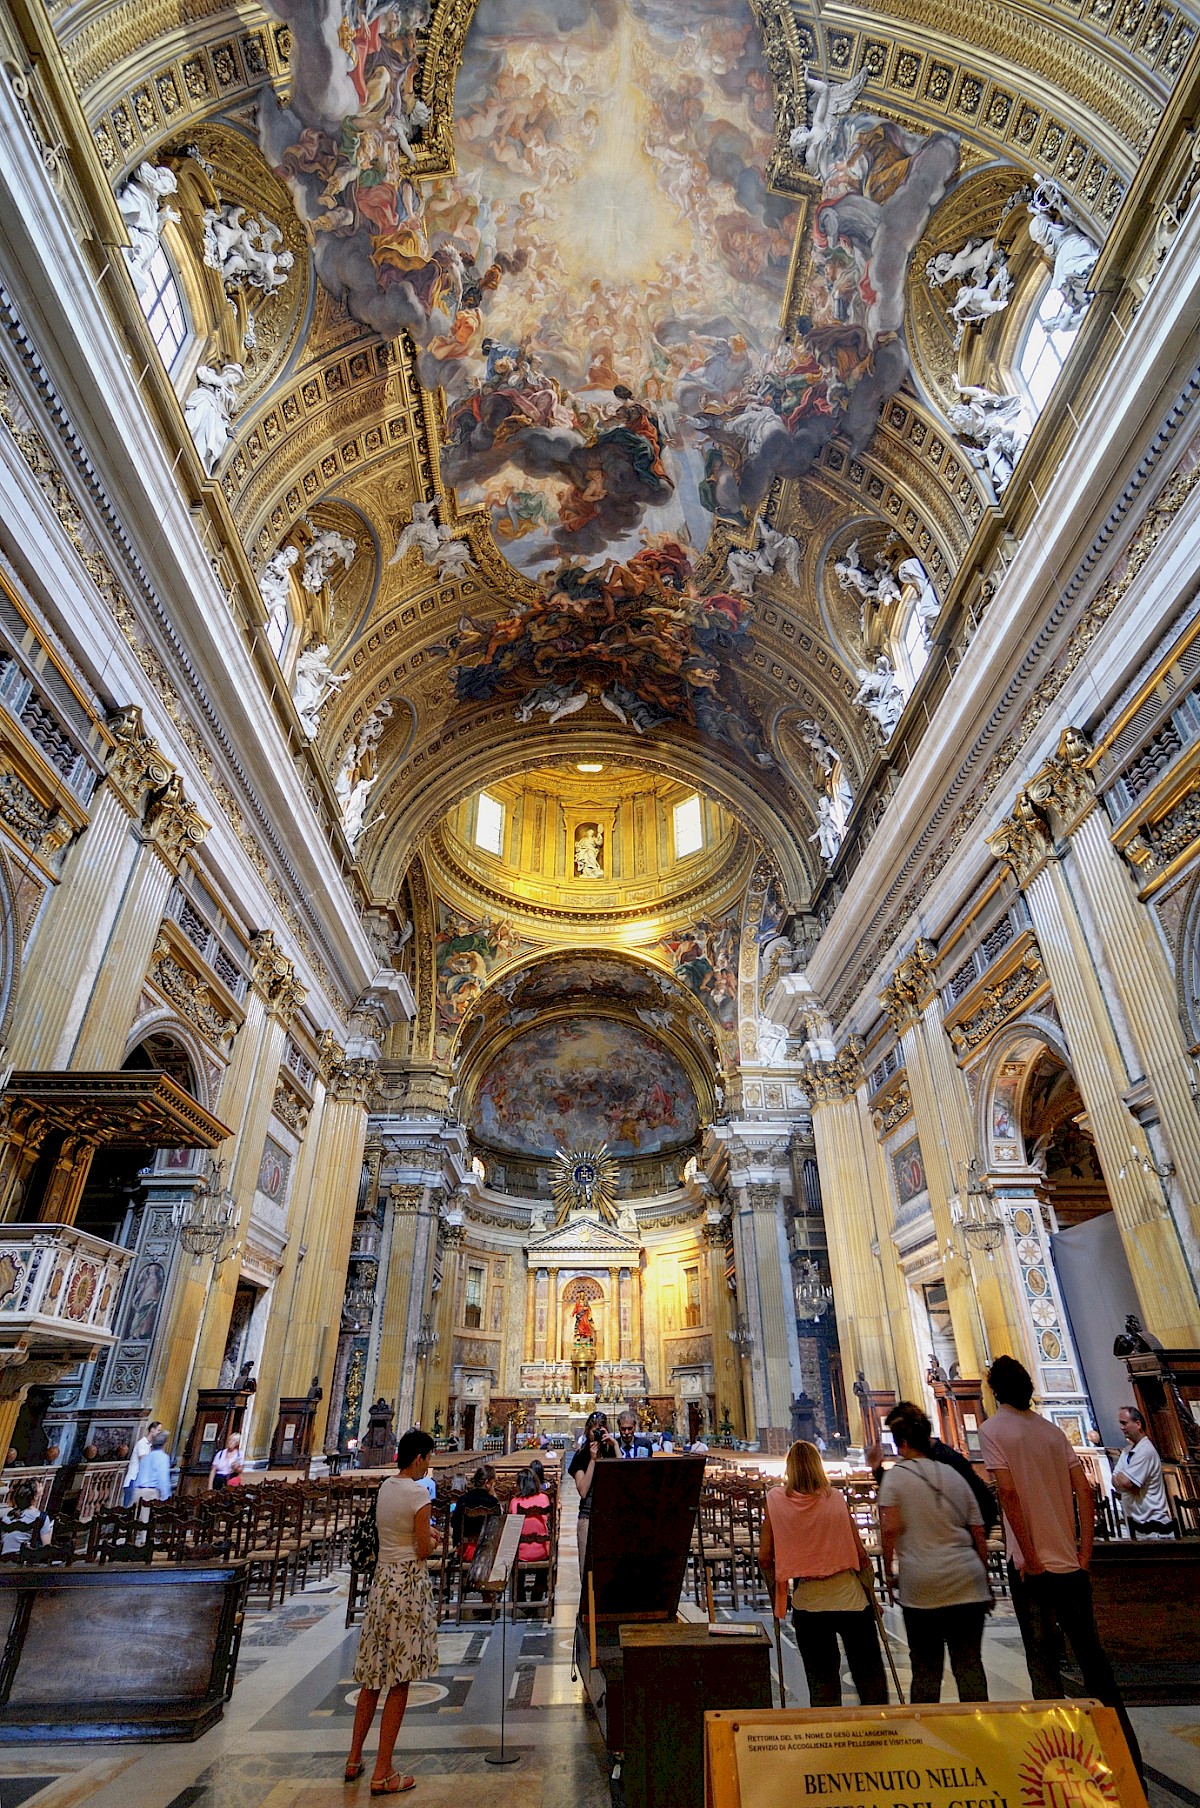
column 939, row 1565
column 400, row 1500
column 1142, row 1464
column 227, row 1462
column 140, row 1449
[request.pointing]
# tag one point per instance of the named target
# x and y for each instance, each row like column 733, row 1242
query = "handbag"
column 363, row 1545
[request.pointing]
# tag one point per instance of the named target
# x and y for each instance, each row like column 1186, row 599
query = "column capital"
column 353, row 1082
column 406, row 1199
column 1065, row 785
column 1023, row 841
column 275, row 976
column 136, row 764
column 763, row 1195
column 911, row 986
column 330, row 1055
column 830, row 1082
column 173, row 823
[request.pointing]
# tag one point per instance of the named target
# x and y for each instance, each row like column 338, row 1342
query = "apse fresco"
column 597, row 974
column 599, row 289
column 573, row 1084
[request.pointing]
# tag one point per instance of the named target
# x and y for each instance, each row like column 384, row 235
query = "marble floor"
column 283, row 1739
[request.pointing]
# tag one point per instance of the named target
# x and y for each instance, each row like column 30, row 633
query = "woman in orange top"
column 809, row 1536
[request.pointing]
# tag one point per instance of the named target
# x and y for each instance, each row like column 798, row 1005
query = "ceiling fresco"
column 601, row 289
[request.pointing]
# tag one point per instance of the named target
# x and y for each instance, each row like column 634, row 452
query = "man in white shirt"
column 1138, row 1479
column 140, row 1449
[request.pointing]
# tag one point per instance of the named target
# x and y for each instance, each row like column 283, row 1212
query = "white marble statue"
column 1067, row 248
column 210, row 409
column 244, row 251
column 313, row 683
column 589, row 849
column 772, row 548
column 438, row 548
column 881, row 694
column 354, row 809
column 875, row 589
column 772, row 1042
column 140, row 202
column 830, row 102
column 274, row 580
column 829, row 835
column 927, row 604
column 995, row 424
column 981, row 271
column 327, row 551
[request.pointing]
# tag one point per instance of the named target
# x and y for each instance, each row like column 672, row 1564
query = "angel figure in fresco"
column 585, row 1330
column 831, row 100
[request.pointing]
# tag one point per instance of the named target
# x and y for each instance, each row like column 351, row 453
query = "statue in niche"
column 210, row 408
column 313, row 684
column 585, row 1329
column 140, row 204
column 589, row 851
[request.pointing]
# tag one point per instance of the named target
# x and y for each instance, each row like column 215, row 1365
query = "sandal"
column 393, row 1784
column 353, row 1771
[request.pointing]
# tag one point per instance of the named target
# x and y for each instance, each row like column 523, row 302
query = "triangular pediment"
column 583, row 1231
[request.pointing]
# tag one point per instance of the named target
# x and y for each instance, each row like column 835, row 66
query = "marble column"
column 1140, row 1199
column 195, row 1343
column 405, row 1282
column 279, row 1370
column 911, row 1003
column 991, row 1286
column 1137, row 980
column 71, row 939
column 775, row 1361
column 172, row 829
column 316, row 1313
column 849, row 1180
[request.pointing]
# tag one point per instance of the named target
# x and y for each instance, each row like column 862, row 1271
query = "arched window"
column 164, row 309
column 913, row 649
column 279, row 632
column 1044, row 350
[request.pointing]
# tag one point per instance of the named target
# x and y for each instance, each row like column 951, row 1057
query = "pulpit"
column 291, row 1445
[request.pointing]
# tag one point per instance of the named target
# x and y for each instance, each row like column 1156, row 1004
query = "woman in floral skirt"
column 399, row 1635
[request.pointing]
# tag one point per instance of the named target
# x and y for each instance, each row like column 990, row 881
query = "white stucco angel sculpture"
column 996, row 426
column 880, row 693
column 354, row 809
column 140, row 202
column 876, row 588
column 773, row 548
column 438, row 548
column 210, row 408
column 313, row 684
column 557, row 700
column 830, row 102
column 244, row 251
column 329, row 549
column 980, row 269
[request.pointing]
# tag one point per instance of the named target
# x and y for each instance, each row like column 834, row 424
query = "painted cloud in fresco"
column 570, row 1084
column 599, row 288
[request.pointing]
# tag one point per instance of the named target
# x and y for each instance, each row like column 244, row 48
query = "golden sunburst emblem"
column 1061, row 1769
column 584, row 1180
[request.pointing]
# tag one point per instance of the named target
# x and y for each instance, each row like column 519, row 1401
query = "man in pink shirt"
column 1041, row 1484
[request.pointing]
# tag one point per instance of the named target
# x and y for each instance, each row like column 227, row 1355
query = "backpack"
column 363, row 1546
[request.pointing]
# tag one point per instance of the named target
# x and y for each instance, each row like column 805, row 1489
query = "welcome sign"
column 985, row 1755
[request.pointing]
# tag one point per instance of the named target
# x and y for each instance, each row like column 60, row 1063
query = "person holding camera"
column 598, row 1444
